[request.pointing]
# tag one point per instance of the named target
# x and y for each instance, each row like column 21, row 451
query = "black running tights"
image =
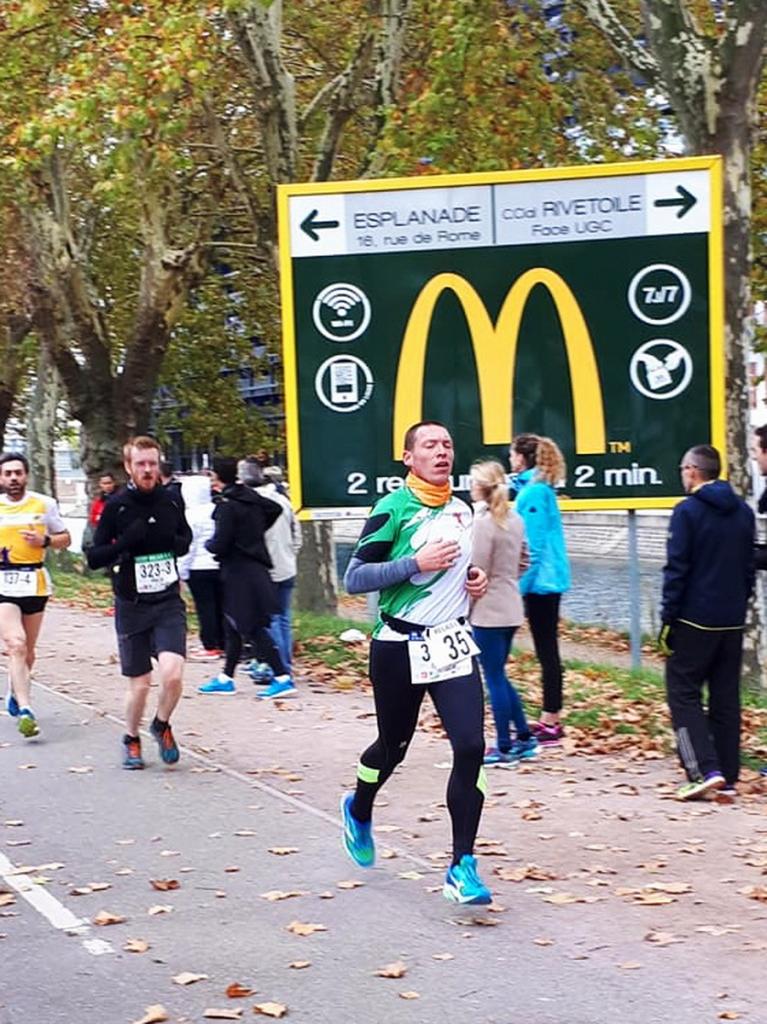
column 459, row 704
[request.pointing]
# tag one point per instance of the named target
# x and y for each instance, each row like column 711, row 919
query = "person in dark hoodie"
column 141, row 532
column 707, row 581
column 242, row 517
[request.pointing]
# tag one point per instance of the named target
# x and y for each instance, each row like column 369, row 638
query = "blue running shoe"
column 132, row 759
column 523, row 750
column 260, row 672
column 762, row 770
column 11, row 704
column 463, row 884
column 165, row 741
column 494, row 757
column 285, row 688
column 218, row 684
column 28, row 726
column 358, row 835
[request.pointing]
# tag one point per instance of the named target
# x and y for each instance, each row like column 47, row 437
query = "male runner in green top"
column 415, row 549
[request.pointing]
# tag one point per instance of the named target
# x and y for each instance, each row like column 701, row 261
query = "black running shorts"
column 28, row 605
column 146, row 630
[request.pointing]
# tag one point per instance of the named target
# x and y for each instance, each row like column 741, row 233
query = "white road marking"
column 55, row 913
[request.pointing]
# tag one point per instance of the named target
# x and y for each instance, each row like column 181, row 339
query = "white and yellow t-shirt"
column 35, row 512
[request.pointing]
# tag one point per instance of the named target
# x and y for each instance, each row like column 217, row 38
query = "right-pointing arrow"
column 685, row 201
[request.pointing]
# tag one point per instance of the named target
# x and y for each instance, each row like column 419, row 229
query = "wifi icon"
column 341, row 312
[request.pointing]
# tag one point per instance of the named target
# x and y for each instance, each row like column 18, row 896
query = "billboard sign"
column 583, row 303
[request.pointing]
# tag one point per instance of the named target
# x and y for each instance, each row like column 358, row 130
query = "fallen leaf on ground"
column 560, row 899
column 755, row 892
column 273, row 895
column 394, row 970
column 442, row 956
column 299, row 928
column 531, row 871
column 661, row 938
column 652, row 899
column 153, row 1015
column 410, row 995
column 105, row 917
column 283, row 851
column 270, row 1009
column 543, row 942
column 675, row 888
column 136, row 946
column 717, row 929
column 729, row 1015
column 213, row 1014
column 160, row 908
column 164, row 884
column 245, row 832
column 238, row 991
column 299, row 965
column 232, row 869
column 7, row 899
column 188, row 978
column 410, row 876
column 630, row 965
column 353, row 884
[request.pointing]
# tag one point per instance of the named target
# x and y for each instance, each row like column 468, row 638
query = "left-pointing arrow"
column 685, row 201
column 311, row 225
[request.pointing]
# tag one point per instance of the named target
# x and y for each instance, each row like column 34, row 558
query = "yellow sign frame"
column 416, row 337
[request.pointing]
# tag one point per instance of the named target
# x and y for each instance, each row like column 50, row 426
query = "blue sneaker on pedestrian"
column 11, row 704
column 260, row 672
column 463, row 884
column 358, row 835
column 523, row 750
column 494, row 757
column 279, row 688
column 218, row 684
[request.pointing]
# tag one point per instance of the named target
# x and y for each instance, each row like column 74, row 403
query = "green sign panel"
column 580, row 303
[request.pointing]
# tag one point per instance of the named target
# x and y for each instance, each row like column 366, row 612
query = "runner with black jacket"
column 141, row 532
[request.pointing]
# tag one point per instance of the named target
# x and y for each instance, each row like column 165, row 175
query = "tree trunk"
column 41, row 426
column 316, row 580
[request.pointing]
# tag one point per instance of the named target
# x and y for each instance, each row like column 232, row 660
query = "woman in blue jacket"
column 539, row 467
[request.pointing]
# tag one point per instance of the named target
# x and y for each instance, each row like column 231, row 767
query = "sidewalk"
column 591, row 861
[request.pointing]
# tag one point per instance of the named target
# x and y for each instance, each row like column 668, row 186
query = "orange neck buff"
column 432, row 495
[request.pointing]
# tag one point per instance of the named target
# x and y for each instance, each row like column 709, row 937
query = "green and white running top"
column 384, row 559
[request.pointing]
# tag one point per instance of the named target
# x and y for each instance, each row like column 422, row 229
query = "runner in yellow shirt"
column 29, row 523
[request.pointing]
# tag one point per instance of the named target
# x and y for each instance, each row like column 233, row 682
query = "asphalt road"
column 70, row 817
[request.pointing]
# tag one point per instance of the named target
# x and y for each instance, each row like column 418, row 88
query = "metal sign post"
column 583, row 303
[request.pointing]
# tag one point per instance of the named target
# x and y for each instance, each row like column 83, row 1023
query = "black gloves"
column 134, row 535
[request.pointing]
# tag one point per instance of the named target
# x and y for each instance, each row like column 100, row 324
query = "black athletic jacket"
column 709, row 572
column 134, row 523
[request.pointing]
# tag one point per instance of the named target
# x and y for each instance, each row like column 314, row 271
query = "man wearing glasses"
column 707, row 581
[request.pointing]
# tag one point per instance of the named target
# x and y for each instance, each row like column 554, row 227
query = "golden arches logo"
column 495, row 353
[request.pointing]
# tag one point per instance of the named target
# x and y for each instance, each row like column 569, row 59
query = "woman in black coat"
column 242, row 518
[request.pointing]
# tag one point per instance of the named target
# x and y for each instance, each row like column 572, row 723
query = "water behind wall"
column 599, row 594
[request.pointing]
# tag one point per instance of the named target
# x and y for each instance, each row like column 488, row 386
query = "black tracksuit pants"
column 707, row 740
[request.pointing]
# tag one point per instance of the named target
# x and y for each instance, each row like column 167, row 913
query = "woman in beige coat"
column 499, row 548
